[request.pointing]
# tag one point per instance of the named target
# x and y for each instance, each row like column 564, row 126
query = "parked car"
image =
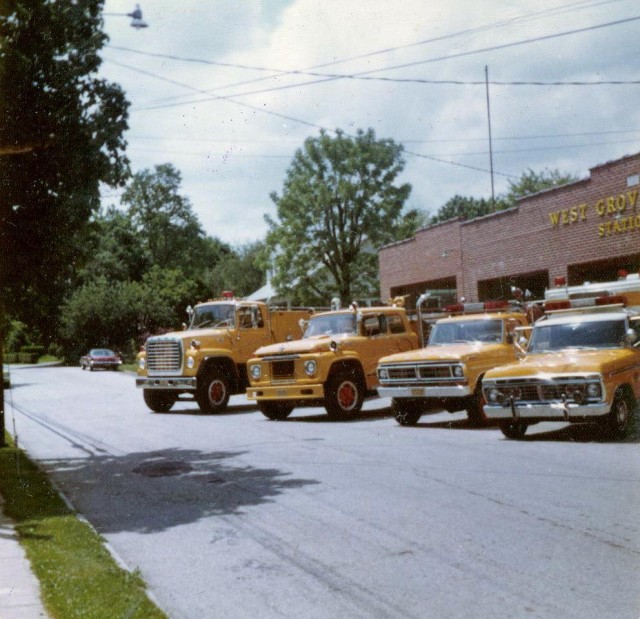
column 100, row 358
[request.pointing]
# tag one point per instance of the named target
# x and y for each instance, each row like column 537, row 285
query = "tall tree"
column 61, row 134
column 165, row 222
column 529, row 182
column 340, row 202
column 532, row 182
column 239, row 270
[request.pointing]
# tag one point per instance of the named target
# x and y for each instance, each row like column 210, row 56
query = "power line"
column 366, row 75
column 280, row 72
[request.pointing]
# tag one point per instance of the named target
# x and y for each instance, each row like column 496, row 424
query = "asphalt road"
column 237, row 516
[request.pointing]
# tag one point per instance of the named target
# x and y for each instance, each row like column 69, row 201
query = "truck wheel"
column 619, row 422
column 406, row 412
column 344, row 394
column 475, row 409
column 159, row 401
column 275, row 410
column 212, row 392
column 514, row 430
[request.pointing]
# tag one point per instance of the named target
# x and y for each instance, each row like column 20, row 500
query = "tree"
column 532, row 182
column 529, row 182
column 239, row 270
column 340, row 202
column 164, row 219
column 118, row 314
column 465, row 208
column 61, row 134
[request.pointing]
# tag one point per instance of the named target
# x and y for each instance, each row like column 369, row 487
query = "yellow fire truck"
column 333, row 364
column 207, row 361
column 581, row 362
column 471, row 339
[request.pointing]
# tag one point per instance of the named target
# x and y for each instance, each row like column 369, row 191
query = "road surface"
column 237, row 516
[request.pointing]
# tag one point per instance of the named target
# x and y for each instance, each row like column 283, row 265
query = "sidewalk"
column 19, row 588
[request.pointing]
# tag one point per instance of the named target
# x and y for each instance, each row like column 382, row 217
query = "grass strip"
column 78, row 577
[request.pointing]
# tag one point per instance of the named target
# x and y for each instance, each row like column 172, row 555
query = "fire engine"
column 465, row 341
column 208, row 360
column 581, row 362
column 333, row 364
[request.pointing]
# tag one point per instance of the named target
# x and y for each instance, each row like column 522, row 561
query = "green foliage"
column 529, row 182
column 465, row 208
column 340, row 202
column 239, row 270
column 532, row 182
column 61, row 135
column 113, row 313
column 164, row 222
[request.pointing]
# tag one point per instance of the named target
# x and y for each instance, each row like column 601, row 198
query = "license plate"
column 417, row 391
column 281, row 393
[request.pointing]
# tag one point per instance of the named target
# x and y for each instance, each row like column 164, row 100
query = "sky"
column 228, row 90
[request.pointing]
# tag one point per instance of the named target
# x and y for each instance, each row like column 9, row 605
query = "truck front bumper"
column 178, row 383
column 286, row 392
column 440, row 392
column 546, row 411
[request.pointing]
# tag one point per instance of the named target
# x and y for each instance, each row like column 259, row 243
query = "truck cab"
column 447, row 373
column 334, row 364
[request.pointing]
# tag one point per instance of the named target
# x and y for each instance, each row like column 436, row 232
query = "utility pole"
column 493, row 195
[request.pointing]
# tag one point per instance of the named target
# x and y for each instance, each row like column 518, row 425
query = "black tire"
column 621, row 419
column 475, row 408
column 514, row 430
column 159, row 401
column 344, row 393
column 406, row 412
column 277, row 411
column 213, row 391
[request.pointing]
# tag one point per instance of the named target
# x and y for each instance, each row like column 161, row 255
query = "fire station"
column 587, row 230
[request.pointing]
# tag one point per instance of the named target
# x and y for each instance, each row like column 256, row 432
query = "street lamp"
column 136, row 18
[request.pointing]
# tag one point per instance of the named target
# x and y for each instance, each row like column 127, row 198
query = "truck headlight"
column 458, row 371
column 383, row 373
column 256, row 372
column 191, row 361
column 594, row 390
column 493, row 395
column 310, row 367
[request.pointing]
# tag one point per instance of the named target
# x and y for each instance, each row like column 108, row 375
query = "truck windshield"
column 331, row 325
column 214, row 315
column 484, row 331
column 579, row 334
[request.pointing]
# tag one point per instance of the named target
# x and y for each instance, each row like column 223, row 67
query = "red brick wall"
column 525, row 239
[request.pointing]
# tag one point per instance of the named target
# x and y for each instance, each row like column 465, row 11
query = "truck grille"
column 282, row 370
column 164, row 356
column 421, row 373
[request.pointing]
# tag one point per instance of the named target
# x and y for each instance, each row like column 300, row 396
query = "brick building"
column 587, row 230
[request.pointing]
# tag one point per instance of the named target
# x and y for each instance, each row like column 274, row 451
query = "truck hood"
column 568, row 362
column 450, row 352
column 192, row 334
column 314, row 344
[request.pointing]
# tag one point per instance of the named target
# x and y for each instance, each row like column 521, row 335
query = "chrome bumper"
column 548, row 411
column 180, row 383
column 455, row 391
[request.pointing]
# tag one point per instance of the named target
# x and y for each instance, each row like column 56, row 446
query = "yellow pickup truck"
column 208, row 360
column 333, row 364
column 446, row 374
column 582, row 364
